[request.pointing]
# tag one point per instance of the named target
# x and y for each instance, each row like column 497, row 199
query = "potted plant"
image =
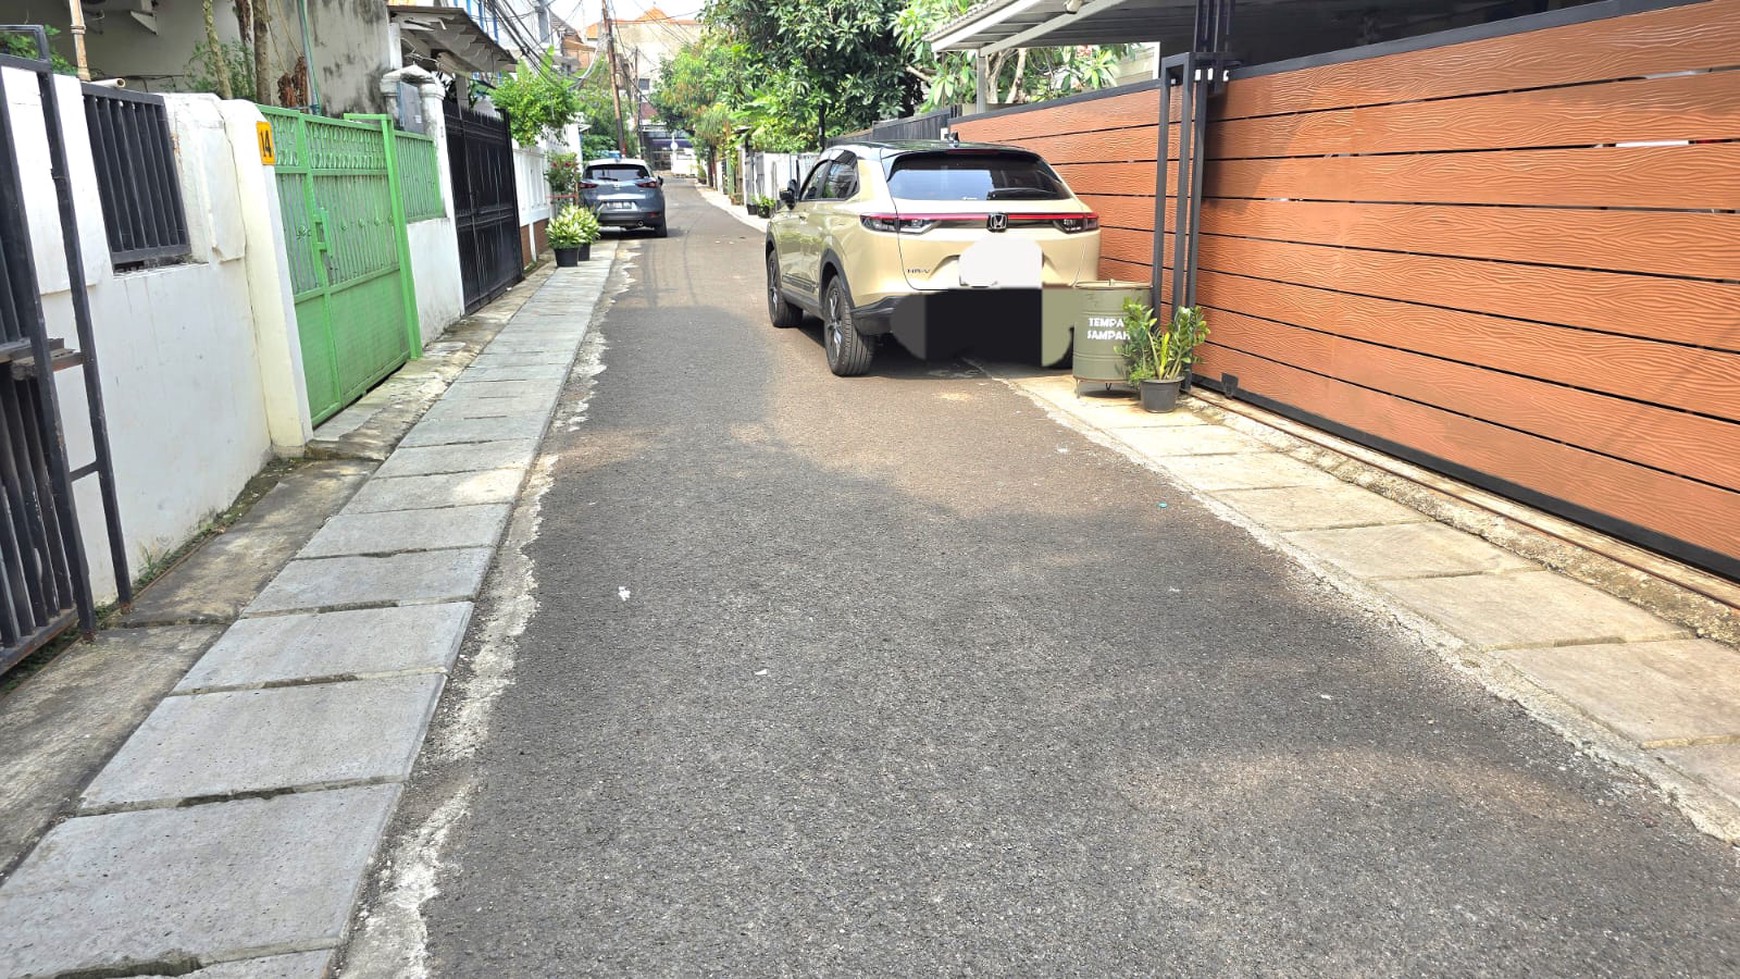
column 563, row 173
column 751, row 205
column 764, row 206
column 1159, row 359
column 572, row 233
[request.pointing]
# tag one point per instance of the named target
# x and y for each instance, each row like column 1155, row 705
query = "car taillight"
column 896, row 224
column 646, row 183
column 1076, row 223
column 588, row 185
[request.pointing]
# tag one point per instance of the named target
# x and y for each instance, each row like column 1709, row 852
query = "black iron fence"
column 136, row 177
column 45, row 582
column 928, row 125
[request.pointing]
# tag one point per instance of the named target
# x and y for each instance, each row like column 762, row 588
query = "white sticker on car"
column 1003, row 261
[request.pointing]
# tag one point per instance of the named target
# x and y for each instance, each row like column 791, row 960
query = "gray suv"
column 625, row 194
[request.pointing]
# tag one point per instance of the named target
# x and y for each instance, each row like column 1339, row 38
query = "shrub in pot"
column 562, row 173
column 571, row 234
column 1159, row 357
column 764, row 206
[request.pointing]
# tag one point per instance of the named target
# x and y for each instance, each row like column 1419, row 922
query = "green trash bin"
column 1096, row 321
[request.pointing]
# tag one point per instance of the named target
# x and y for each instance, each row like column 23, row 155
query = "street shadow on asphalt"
column 895, row 362
column 932, row 646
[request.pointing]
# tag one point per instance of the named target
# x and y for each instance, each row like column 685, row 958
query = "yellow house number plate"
column 268, row 150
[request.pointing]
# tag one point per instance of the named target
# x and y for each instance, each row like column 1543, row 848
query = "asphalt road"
column 909, row 680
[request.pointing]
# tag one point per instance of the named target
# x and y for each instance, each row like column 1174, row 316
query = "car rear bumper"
column 629, row 219
column 1002, row 324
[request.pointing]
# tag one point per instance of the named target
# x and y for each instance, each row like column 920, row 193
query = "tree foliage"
column 205, row 70
column 699, row 91
column 537, row 100
column 795, row 71
column 24, row 46
column 839, row 59
column 1027, row 75
column 598, row 113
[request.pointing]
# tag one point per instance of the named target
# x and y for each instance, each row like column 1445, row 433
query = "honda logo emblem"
column 997, row 222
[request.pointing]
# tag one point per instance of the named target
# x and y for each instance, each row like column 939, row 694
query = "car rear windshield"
column 962, row 175
column 617, row 172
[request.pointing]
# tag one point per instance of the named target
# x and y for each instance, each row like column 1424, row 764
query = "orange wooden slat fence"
column 1515, row 259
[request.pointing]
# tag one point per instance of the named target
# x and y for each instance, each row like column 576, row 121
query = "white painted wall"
column 435, row 270
column 282, row 382
column 531, row 186
column 767, row 173
column 181, row 368
column 435, row 243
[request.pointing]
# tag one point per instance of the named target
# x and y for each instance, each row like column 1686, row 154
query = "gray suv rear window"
column 966, row 175
column 621, row 174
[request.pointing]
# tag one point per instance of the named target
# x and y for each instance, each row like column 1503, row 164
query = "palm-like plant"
column 1163, row 354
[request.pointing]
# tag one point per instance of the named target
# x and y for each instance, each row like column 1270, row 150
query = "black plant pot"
column 749, row 207
column 1159, row 396
column 763, row 211
column 567, row 258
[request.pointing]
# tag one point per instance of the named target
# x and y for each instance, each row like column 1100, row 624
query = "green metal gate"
column 350, row 265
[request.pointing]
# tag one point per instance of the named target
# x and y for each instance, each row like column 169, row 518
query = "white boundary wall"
column 766, row 174
column 201, row 373
column 435, row 242
column 532, row 189
column 530, row 185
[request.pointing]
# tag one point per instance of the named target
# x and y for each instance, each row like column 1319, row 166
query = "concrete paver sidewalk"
column 1666, row 701
column 230, row 835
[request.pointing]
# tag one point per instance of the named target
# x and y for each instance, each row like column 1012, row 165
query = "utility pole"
column 543, row 7
column 615, row 79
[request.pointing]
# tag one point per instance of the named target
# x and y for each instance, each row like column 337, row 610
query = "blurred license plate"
column 618, row 205
column 1000, row 260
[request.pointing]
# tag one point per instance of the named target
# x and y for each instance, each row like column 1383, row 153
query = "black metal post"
column 1203, row 78
column 75, row 268
column 47, row 418
column 1181, row 212
column 1162, row 150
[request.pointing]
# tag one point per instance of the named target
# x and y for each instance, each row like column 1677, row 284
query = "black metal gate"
column 44, row 578
column 485, row 207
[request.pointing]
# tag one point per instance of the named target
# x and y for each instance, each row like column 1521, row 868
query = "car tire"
column 783, row 314
column 849, row 352
column 660, row 231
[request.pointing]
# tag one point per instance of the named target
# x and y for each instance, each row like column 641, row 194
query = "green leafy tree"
column 837, row 58
column 701, row 90
column 206, row 69
column 1026, row 75
column 539, row 101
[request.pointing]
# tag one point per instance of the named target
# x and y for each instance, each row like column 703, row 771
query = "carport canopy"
column 1261, row 30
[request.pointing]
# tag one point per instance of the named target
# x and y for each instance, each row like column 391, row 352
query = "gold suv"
column 944, row 246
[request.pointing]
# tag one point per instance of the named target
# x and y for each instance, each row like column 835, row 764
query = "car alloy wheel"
column 783, row 314
column 833, row 322
column 849, row 352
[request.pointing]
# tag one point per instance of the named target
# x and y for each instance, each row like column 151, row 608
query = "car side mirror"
column 788, row 198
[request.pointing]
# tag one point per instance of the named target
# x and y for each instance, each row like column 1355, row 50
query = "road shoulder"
column 1649, row 691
